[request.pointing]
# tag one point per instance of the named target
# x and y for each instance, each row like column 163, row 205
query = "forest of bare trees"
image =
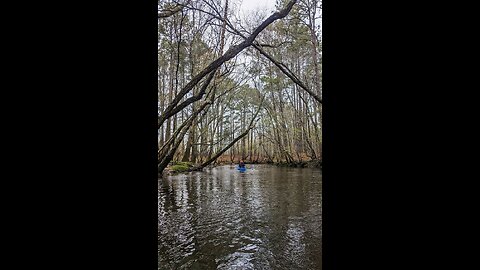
column 236, row 87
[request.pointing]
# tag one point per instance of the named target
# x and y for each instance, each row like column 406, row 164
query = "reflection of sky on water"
column 296, row 246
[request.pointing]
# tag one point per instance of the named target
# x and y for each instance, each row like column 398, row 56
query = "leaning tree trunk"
column 167, row 152
column 166, row 158
column 217, row 155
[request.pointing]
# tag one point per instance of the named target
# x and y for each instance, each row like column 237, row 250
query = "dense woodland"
column 236, row 87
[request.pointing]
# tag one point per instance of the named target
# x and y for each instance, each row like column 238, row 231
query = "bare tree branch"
column 229, row 54
column 287, row 72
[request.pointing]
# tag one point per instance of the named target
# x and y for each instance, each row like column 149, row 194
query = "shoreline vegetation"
column 178, row 167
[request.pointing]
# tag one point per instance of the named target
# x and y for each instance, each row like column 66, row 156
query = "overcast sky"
column 248, row 5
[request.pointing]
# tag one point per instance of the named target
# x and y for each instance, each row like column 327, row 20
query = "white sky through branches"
column 249, row 5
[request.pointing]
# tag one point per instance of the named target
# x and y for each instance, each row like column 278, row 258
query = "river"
column 265, row 218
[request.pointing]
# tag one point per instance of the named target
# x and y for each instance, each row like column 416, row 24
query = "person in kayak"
column 241, row 164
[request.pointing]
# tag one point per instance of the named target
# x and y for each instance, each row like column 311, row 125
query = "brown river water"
column 265, row 218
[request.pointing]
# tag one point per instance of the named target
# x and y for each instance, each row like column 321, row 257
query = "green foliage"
column 270, row 80
column 181, row 166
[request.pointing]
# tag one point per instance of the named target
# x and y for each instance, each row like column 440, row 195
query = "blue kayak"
column 242, row 169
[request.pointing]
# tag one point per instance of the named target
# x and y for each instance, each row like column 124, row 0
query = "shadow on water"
column 265, row 218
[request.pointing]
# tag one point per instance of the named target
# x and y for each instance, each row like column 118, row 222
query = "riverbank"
column 183, row 167
column 301, row 164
